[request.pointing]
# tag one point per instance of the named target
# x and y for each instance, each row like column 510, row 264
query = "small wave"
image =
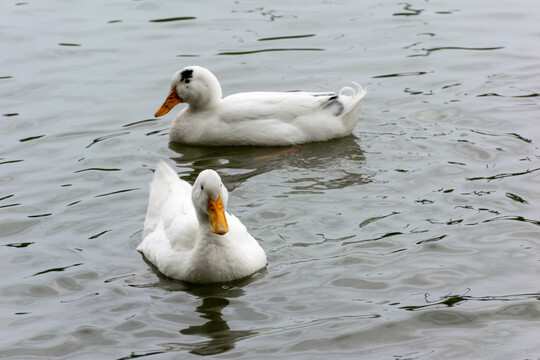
column 268, row 50
column 183, row 18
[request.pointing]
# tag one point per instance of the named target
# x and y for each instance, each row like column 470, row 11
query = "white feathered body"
column 256, row 118
column 181, row 249
column 270, row 118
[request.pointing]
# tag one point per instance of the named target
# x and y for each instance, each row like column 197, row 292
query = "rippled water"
column 416, row 237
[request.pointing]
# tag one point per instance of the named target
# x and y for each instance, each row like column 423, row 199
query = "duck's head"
column 195, row 86
column 210, row 198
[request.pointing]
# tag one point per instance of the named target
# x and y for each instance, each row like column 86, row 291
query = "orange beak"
column 171, row 101
column 218, row 223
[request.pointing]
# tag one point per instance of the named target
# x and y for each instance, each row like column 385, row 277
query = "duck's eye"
column 202, row 188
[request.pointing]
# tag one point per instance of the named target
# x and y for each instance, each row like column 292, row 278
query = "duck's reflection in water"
column 221, row 337
column 236, row 164
column 214, row 299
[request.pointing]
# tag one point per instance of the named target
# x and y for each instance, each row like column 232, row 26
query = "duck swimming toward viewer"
column 256, row 118
column 189, row 236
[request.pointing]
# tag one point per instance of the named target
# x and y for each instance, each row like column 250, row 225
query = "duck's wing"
column 170, row 199
column 171, row 225
column 282, row 106
column 289, row 106
column 272, row 118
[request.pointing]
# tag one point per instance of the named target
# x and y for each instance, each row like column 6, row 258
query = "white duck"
column 188, row 234
column 256, row 118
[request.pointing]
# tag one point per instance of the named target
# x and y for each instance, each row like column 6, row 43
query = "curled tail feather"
column 353, row 104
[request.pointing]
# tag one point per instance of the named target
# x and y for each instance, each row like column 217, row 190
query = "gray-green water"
column 414, row 238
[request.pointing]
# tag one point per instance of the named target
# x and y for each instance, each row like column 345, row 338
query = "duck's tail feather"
column 355, row 95
column 352, row 101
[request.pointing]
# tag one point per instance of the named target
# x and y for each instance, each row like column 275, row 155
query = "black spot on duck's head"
column 186, row 75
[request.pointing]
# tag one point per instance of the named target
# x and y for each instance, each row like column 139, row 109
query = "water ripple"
column 511, row 96
column 96, row 169
column 410, row 73
column 434, row 49
column 182, row 18
column 514, row 135
column 514, row 218
column 502, row 175
column 101, row 138
column 116, row 192
column 267, row 50
column 56, row 269
column 286, row 37
column 411, row 11
column 31, row 138
column 453, row 300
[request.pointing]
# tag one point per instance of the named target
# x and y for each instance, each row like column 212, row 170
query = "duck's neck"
column 205, row 233
column 206, row 97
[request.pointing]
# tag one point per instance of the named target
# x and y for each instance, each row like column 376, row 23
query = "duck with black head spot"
column 256, row 118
